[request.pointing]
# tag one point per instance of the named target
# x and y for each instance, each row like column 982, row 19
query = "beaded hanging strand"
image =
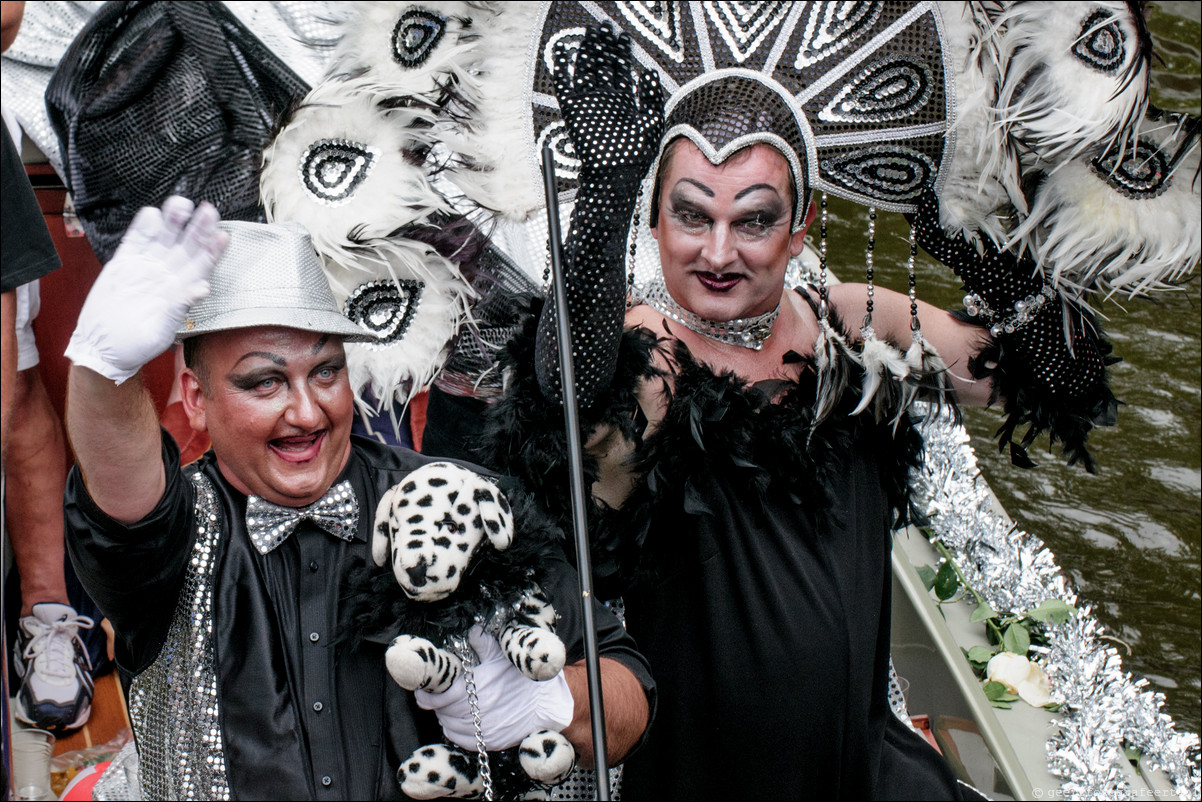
column 880, row 359
column 866, row 330
column 823, row 302
column 915, row 324
column 832, row 357
column 634, row 241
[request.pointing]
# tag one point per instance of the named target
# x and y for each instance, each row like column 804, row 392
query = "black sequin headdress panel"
column 872, row 104
column 725, row 111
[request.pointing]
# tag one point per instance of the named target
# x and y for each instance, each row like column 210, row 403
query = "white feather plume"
column 393, row 192
column 884, row 368
column 1049, row 99
column 982, row 178
column 469, row 79
column 402, row 369
column 833, row 360
column 1089, row 236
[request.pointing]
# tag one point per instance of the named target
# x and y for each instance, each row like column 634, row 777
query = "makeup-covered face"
column 277, row 405
column 724, row 231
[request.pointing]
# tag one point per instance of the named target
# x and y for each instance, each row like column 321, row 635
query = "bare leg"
column 35, row 466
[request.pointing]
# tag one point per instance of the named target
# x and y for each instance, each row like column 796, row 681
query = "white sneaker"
column 56, row 692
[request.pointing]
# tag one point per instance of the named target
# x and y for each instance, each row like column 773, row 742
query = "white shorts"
column 29, row 303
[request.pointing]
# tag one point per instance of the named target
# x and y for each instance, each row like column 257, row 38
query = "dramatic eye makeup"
column 254, row 379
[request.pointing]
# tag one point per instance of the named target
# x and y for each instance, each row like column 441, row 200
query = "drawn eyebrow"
column 708, row 192
column 274, row 358
column 321, row 343
column 755, row 188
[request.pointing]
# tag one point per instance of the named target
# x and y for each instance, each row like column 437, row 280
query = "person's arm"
column 11, row 14
column 130, row 316
column 957, row 342
column 8, row 361
column 114, row 431
column 627, row 712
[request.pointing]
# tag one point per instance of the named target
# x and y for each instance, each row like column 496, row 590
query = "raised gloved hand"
column 1047, row 359
column 615, row 132
column 142, row 295
column 512, row 706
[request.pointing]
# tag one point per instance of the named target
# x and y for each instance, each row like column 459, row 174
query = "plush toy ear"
column 381, row 537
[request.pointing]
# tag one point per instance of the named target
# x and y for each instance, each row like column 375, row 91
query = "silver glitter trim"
column 173, row 703
column 745, row 332
column 1104, row 707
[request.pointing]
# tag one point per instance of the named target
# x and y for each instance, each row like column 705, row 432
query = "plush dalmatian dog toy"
column 448, row 535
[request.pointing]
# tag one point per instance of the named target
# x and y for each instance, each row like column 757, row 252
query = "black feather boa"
column 378, row 610
column 1026, row 402
column 761, row 437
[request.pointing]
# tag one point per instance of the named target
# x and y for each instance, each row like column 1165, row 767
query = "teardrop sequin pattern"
column 1143, row 173
column 332, row 169
column 415, row 36
column 1100, row 43
column 386, row 307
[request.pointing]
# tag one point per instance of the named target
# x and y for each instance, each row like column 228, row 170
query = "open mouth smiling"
column 298, row 448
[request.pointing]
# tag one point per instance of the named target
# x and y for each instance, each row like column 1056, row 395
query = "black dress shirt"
column 304, row 713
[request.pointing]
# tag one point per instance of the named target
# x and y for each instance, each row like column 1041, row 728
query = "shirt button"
column 317, row 706
column 313, row 636
column 313, row 566
column 326, row 781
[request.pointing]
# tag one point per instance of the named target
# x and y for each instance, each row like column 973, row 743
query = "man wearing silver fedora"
column 228, row 628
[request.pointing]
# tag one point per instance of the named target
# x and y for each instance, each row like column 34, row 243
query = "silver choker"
column 745, row 332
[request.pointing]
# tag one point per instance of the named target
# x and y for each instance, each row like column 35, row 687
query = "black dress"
column 754, row 560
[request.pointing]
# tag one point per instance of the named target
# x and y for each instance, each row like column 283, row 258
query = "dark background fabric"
column 155, row 99
column 27, row 250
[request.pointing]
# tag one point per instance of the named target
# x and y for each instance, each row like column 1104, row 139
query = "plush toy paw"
column 529, row 639
column 527, row 771
column 547, row 757
column 438, row 770
column 431, row 525
column 417, row 664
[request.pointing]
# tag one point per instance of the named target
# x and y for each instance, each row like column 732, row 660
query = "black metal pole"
column 584, row 566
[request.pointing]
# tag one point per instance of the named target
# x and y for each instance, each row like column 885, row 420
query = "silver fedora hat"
column 269, row 275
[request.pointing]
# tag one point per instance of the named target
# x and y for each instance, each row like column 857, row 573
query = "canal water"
column 1129, row 536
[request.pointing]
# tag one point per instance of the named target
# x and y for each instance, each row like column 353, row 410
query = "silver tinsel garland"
column 1104, row 708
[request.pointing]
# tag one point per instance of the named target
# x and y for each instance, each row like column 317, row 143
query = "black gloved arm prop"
column 615, row 129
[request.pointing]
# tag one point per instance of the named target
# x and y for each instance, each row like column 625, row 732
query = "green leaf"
column 996, row 692
column 979, row 655
column 1016, row 639
column 1002, row 705
column 1055, row 610
column 983, row 613
column 946, row 583
column 1053, row 707
column 1133, row 753
column 927, row 574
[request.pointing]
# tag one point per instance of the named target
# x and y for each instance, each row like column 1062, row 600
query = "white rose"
column 1020, row 676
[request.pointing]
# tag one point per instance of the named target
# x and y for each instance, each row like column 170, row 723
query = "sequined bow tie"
column 269, row 524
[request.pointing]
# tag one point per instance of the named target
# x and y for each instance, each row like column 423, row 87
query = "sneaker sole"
column 24, row 717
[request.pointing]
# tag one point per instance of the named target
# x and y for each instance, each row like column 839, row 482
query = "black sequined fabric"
column 504, row 292
column 156, row 99
column 615, row 121
column 732, row 111
column 868, row 80
column 1049, row 372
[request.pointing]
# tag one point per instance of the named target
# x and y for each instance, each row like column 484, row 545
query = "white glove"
column 512, row 705
column 142, row 295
